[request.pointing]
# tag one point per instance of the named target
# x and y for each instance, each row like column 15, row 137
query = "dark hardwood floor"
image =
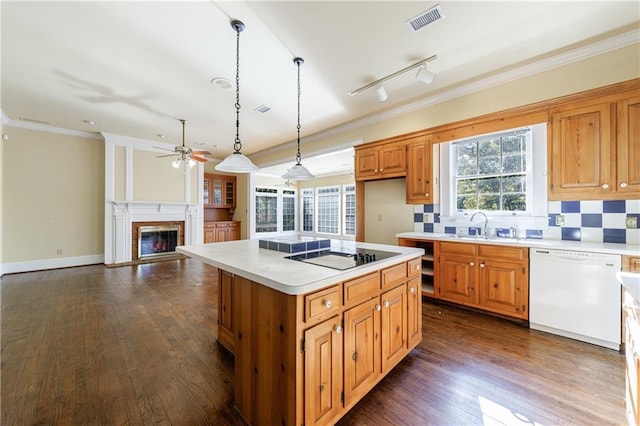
column 136, row 345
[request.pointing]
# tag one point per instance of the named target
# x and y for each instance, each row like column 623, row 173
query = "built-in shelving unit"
column 428, row 263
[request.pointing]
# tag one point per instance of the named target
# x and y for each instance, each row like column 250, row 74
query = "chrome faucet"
column 486, row 220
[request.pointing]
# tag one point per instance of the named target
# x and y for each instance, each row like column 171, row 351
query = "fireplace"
column 155, row 241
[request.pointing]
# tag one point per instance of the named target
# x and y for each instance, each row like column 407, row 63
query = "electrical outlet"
column 560, row 220
column 632, row 222
column 58, row 252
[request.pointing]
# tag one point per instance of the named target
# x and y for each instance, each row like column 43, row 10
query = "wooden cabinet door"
column 361, row 349
column 629, row 147
column 225, row 318
column 414, row 312
column 393, row 334
column 366, row 162
column 419, row 172
column 229, row 192
column 323, row 372
column 502, row 287
column 222, row 233
column 581, row 153
column 217, row 192
column 456, row 279
column 392, row 158
column 209, row 234
column 234, row 232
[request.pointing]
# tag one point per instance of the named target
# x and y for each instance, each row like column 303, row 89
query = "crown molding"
column 41, row 127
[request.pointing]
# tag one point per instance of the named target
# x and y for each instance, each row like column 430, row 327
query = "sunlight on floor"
column 494, row 414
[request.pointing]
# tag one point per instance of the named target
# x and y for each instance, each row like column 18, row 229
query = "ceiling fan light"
column 191, row 163
column 424, row 75
column 381, row 93
column 298, row 172
column 236, row 163
column 175, row 163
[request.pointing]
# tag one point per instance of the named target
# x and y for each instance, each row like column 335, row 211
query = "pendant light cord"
column 298, row 61
column 237, row 145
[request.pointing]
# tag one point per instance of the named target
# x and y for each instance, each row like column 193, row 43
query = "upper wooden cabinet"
column 219, row 191
column 420, row 174
column 594, row 149
column 381, row 161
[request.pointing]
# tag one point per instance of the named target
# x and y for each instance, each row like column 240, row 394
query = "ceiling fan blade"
column 168, row 155
column 201, row 152
column 164, row 149
column 200, row 159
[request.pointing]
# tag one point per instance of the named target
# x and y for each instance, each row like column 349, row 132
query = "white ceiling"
column 135, row 68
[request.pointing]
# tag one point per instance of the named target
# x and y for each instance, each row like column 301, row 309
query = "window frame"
column 279, row 195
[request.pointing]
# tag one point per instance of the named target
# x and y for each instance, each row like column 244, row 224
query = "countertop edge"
column 610, row 248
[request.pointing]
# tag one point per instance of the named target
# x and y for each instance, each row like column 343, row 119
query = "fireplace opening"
column 155, row 241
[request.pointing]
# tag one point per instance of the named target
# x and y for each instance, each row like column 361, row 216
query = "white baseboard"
column 42, row 264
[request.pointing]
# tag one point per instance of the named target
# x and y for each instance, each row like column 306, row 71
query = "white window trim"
column 341, row 214
column 279, row 211
column 535, row 217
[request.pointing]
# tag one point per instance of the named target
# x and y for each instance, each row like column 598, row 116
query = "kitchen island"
column 310, row 341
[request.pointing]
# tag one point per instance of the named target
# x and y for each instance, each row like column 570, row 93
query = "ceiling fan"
column 184, row 153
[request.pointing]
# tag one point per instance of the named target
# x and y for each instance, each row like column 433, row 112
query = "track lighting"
column 381, row 93
column 423, row 75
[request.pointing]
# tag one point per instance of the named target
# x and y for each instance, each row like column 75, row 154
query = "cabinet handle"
column 386, row 304
column 378, row 308
column 605, row 185
column 354, row 356
column 471, row 264
column 482, row 265
column 623, row 185
column 412, row 290
column 327, row 304
column 426, row 194
column 381, row 170
column 495, row 285
column 338, row 329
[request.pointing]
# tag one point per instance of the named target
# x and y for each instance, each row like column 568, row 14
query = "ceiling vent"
column 263, row 108
column 425, row 18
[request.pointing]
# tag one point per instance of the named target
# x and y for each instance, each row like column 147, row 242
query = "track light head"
column 381, row 93
column 424, row 75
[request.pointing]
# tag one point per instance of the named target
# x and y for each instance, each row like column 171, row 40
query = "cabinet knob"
column 426, row 194
column 471, row 264
column 338, row 329
column 327, row 304
column 378, row 308
column 623, row 185
column 482, row 265
column 386, row 304
column 605, row 185
column 412, row 290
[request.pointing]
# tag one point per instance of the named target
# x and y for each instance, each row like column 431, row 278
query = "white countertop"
column 631, row 282
column 270, row 268
column 611, row 248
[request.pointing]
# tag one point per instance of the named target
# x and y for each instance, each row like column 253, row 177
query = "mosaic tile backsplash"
column 593, row 221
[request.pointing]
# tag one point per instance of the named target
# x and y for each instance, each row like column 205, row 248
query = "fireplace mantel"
column 125, row 213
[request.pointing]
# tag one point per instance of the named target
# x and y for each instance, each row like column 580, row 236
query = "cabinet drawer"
column 322, row 303
column 458, row 248
column 502, row 252
column 414, row 266
column 361, row 289
column 393, row 275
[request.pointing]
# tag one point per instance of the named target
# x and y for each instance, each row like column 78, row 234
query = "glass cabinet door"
column 217, row 192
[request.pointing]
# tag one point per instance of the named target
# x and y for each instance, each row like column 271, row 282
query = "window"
column 502, row 174
column 491, row 172
column 328, row 210
column 266, row 210
column 350, row 210
column 275, row 210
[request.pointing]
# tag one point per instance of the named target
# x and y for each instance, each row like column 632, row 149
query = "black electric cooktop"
column 342, row 259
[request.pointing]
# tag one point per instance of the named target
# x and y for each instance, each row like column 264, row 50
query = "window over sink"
column 502, row 174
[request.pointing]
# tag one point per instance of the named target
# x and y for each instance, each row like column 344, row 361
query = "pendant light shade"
column 298, row 171
column 237, row 162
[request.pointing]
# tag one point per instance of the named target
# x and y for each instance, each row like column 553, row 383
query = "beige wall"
column 386, row 212
column 52, row 196
column 155, row 179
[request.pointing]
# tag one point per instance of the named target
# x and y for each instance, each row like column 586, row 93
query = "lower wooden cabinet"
column 488, row 277
column 217, row 232
column 308, row 359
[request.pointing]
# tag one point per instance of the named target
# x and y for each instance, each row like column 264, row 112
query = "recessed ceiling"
column 135, row 68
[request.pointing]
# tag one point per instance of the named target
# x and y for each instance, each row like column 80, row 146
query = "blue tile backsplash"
column 592, row 220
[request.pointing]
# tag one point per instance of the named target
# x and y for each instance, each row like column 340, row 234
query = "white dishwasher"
column 576, row 294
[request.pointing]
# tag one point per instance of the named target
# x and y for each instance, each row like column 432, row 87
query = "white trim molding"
column 54, row 263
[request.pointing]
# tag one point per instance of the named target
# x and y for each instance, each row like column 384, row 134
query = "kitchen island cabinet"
column 309, row 341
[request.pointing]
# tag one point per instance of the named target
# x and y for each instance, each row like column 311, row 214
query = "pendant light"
column 298, row 171
column 237, row 162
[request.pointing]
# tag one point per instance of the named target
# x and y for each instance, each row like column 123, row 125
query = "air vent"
column 263, row 108
column 425, row 18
